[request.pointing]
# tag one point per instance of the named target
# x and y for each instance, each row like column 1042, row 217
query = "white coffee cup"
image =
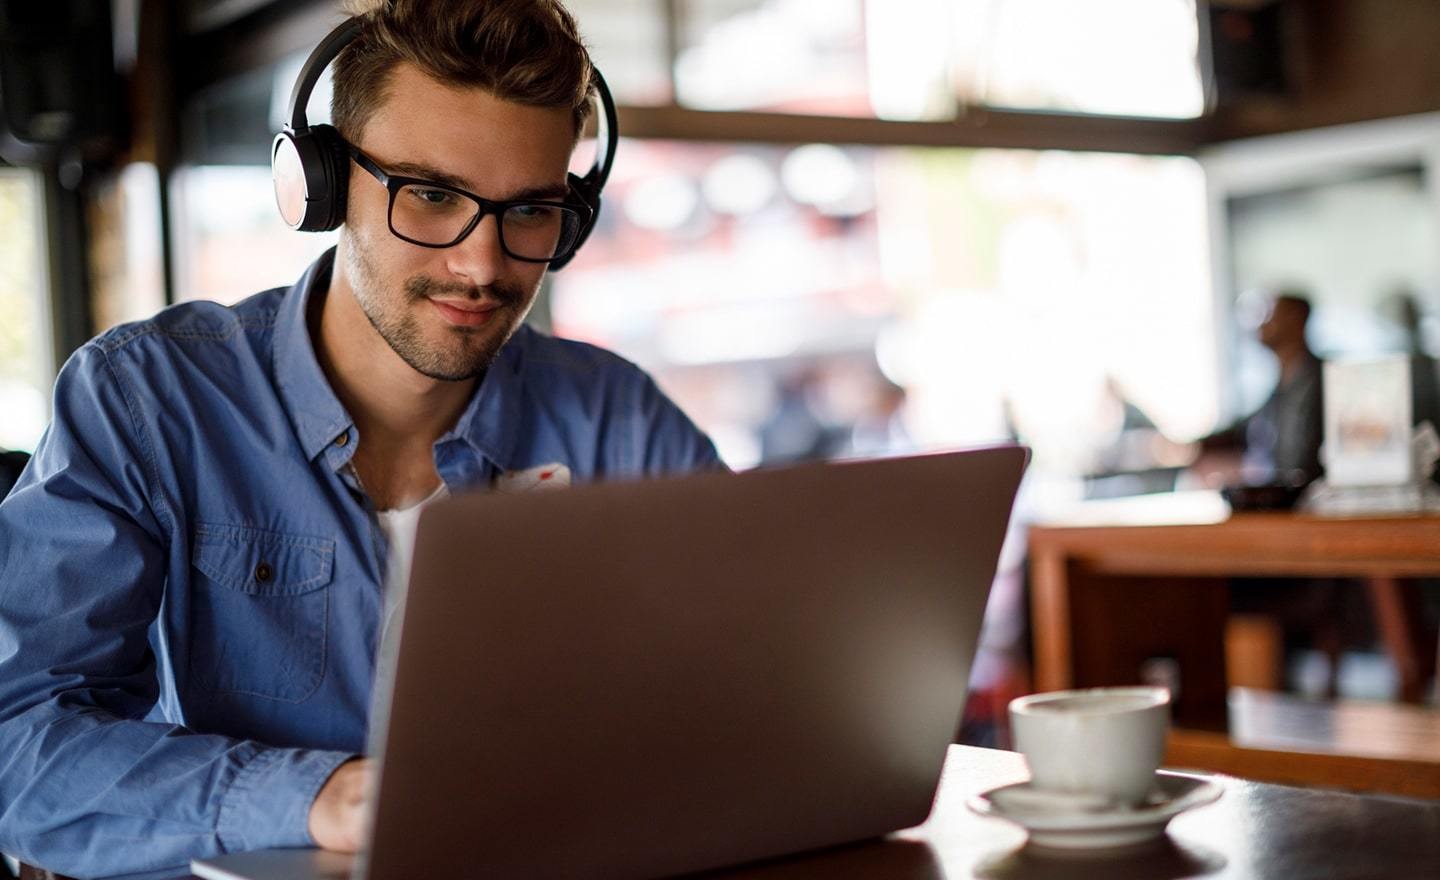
column 1105, row 742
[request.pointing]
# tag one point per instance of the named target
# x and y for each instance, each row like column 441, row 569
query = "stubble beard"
column 467, row 352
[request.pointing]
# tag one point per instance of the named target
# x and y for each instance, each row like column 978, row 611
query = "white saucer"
column 1080, row 822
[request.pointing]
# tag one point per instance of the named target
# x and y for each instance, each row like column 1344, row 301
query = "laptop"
column 646, row 678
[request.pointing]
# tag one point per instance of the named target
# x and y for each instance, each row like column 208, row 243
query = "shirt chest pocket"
column 260, row 611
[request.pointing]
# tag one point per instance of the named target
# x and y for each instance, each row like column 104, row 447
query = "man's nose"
column 479, row 259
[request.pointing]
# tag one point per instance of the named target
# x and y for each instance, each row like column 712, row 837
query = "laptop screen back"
column 646, row 678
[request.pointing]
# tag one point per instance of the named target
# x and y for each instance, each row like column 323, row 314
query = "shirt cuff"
column 268, row 802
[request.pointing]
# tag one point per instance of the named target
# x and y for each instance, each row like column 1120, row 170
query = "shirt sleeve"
column 666, row 441
column 88, row 787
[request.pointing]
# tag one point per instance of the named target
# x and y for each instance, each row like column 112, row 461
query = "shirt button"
column 343, row 439
column 263, row 572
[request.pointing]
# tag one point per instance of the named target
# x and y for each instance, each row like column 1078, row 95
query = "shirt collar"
column 488, row 426
column 316, row 413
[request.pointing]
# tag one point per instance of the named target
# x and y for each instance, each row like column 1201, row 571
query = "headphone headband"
column 320, row 57
column 310, row 166
column 607, row 132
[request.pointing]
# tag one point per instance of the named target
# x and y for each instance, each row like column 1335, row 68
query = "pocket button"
column 263, row 572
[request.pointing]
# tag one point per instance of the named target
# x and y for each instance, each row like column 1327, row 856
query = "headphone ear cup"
column 331, row 151
column 311, row 171
column 584, row 191
column 290, row 176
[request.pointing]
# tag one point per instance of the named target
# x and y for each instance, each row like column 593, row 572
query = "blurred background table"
column 1137, row 588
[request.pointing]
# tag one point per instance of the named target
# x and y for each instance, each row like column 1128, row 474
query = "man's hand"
column 338, row 814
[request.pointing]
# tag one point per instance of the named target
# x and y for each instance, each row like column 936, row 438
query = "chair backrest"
column 11, row 464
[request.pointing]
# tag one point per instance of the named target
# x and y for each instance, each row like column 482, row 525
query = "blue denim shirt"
column 191, row 583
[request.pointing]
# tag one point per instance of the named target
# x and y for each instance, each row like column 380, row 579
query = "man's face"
column 447, row 311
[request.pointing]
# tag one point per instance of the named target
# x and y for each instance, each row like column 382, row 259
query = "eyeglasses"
column 435, row 215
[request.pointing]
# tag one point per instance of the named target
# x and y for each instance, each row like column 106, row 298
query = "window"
column 229, row 239
column 126, row 261
column 1127, row 57
column 26, row 360
column 627, row 40
column 796, row 56
column 904, row 59
column 1005, row 291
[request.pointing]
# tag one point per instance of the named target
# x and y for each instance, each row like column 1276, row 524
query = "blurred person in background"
column 796, row 430
column 879, row 428
column 834, row 408
column 1279, row 442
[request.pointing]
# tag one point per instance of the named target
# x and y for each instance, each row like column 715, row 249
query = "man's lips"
column 467, row 315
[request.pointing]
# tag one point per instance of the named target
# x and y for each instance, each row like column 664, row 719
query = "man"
column 192, row 568
column 1280, row 442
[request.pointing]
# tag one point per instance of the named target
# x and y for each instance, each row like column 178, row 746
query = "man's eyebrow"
column 435, row 175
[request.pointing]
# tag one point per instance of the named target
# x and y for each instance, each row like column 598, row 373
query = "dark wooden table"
column 1255, row 831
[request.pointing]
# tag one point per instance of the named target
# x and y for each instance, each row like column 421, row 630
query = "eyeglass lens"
column 436, row 216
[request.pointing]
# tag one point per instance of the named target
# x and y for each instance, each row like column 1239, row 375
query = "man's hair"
column 526, row 51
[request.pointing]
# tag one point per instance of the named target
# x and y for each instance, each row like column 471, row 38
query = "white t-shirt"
column 399, row 527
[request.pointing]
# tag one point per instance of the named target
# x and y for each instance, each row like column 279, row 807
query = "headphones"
column 310, row 166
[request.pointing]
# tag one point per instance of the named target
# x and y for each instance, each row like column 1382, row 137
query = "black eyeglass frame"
column 393, row 183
